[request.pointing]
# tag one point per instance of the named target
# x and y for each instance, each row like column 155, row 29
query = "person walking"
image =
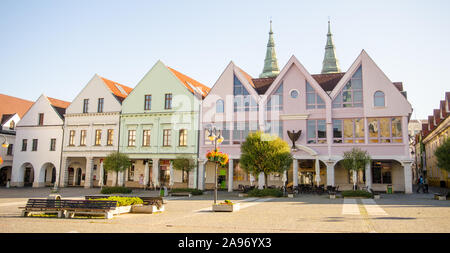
column 420, row 185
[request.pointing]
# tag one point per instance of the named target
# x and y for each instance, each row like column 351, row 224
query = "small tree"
column 265, row 153
column 184, row 164
column 442, row 154
column 116, row 162
column 355, row 160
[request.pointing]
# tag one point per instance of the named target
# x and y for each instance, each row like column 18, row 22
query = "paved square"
column 305, row 213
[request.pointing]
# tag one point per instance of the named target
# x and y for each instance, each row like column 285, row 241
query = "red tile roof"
column 189, row 82
column 112, row 86
column 262, row 84
column 58, row 103
column 11, row 105
column 247, row 76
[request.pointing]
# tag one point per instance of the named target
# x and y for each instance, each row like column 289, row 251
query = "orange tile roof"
column 113, row 88
column 11, row 105
column 249, row 78
column 187, row 81
column 58, row 103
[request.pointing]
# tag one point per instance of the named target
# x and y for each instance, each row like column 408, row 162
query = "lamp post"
column 5, row 143
column 216, row 137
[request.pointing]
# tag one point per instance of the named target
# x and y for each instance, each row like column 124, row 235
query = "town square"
column 155, row 117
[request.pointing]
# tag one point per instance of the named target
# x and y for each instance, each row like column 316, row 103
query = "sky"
column 56, row 47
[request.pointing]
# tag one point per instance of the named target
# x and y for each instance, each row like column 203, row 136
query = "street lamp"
column 216, row 137
column 5, row 143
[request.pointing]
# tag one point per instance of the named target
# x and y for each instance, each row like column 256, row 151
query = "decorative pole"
column 217, row 139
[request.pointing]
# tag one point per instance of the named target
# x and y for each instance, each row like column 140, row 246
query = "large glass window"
column 131, row 138
column 182, row 138
column 348, row 131
column 316, row 132
column 243, row 101
column 274, row 127
column 167, row 137
column 146, row 138
column 351, row 94
column 378, row 99
column 381, row 172
column 275, row 101
column 313, row 100
column 385, row 130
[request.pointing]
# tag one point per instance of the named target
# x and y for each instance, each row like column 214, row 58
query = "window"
column 381, row 172
column 276, row 100
column 110, row 136
column 274, row 127
column 294, row 94
column 378, row 99
column 166, row 137
column 219, row 106
column 10, row 149
column 24, row 144
column 148, row 102
column 131, row 173
column 41, row 119
column 35, row 145
column 351, row 94
column 348, row 131
column 82, row 138
column 243, row 101
column 182, row 141
column 98, row 137
column 146, row 138
column 85, row 105
column 52, row 144
column 72, row 138
column 168, row 101
column 131, row 138
column 12, row 125
column 385, row 130
column 316, row 132
column 313, row 100
column 100, row 105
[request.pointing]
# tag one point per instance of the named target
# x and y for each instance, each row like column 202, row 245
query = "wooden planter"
column 226, row 208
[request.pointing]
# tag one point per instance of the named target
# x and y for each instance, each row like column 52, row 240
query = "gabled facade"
column 91, row 132
column 37, row 149
column 11, row 111
column 335, row 112
column 159, row 123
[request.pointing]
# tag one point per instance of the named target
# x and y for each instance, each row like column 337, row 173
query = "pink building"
column 334, row 110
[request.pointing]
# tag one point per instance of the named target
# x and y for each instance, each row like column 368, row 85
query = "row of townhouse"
column 435, row 130
column 168, row 115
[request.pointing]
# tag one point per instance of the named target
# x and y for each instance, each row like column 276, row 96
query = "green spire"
column 330, row 63
column 270, row 63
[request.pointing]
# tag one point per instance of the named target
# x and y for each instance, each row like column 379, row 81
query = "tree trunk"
column 117, row 178
column 265, row 180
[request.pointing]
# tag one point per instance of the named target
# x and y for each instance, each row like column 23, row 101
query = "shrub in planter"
column 116, row 189
column 124, row 201
column 192, row 191
column 357, row 193
column 265, row 193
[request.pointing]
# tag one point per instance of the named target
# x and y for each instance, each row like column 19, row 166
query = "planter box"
column 290, row 195
column 332, row 196
column 122, row 209
column 439, row 197
column 376, row 196
column 226, row 208
column 146, row 209
column 243, row 195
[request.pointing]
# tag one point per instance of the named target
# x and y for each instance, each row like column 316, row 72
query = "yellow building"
column 434, row 133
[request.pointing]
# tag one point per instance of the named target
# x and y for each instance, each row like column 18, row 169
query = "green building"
column 159, row 123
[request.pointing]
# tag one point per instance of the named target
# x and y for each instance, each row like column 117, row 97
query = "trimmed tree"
column 116, row 162
column 265, row 153
column 442, row 154
column 355, row 160
column 184, row 164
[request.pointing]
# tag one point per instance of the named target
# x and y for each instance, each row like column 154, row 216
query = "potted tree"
column 185, row 165
column 116, row 162
column 355, row 161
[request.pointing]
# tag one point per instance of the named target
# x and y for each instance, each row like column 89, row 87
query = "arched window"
column 219, row 106
column 378, row 98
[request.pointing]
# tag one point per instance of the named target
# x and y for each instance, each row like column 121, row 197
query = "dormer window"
column 351, row 94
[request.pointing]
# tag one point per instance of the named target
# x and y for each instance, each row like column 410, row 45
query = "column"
column 64, row 178
column 146, row 174
column 230, row 175
column 295, row 173
column 201, row 175
column 155, row 172
column 330, row 173
column 101, row 172
column 89, row 166
column 171, row 174
column 120, row 175
column 317, row 179
column 261, row 180
column 368, row 172
column 408, row 176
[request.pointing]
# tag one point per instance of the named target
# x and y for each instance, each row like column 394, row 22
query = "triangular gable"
column 229, row 67
column 29, row 119
column 293, row 61
column 246, row 80
column 347, row 76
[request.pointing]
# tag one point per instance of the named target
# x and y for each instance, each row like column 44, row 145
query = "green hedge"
column 116, row 189
column 265, row 193
column 357, row 193
column 124, row 201
column 192, row 191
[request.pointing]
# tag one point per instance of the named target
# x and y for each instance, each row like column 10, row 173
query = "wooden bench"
column 184, row 194
column 43, row 206
column 96, row 207
column 153, row 200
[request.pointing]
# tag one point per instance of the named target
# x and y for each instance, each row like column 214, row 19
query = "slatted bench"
column 157, row 201
column 184, row 194
column 96, row 207
column 43, row 206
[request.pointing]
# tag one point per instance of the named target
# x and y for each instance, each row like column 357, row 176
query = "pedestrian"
column 420, row 185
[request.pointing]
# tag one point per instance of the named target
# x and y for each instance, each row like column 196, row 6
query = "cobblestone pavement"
column 403, row 213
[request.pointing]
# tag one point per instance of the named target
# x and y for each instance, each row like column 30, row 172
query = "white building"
column 37, row 149
column 91, row 131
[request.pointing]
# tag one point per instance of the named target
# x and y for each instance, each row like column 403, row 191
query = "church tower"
column 330, row 63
